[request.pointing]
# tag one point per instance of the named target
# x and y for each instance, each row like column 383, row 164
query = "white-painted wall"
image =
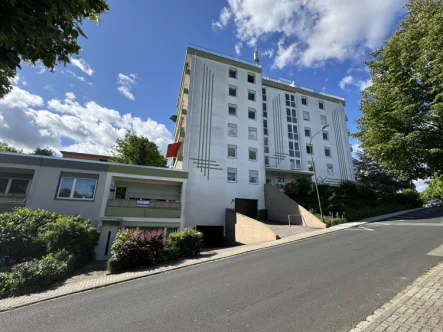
column 206, row 198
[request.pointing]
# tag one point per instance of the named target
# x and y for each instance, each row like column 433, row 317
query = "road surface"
column 327, row 283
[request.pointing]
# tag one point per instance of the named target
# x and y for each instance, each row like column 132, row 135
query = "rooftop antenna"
column 256, row 59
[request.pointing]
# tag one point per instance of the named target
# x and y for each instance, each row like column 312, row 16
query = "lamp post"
column 315, row 173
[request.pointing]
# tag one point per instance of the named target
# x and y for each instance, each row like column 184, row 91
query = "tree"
column 41, row 30
column 402, row 122
column 434, row 189
column 4, row 147
column 369, row 173
column 43, row 152
column 138, row 150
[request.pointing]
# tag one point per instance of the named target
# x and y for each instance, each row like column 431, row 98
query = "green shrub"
column 186, row 243
column 73, row 234
column 32, row 276
column 134, row 248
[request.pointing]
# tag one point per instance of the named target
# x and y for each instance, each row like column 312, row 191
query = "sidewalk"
column 418, row 308
column 88, row 281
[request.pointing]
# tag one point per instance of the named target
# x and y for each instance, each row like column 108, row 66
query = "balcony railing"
column 142, row 209
column 16, row 199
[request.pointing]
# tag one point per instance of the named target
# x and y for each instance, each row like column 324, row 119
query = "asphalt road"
column 327, row 283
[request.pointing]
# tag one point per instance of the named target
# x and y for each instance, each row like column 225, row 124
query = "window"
column 265, row 126
column 252, row 154
column 321, row 105
column 251, row 78
column 232, row 175
column 232, row 73
column 265, row 131
column 267, row 160
column 252, row 114
column 233, row 91
column 120, row 193
column 252, row 133
column 310, row 166
column 292, row 132
column 232, row 151
column 292, row 101
column 232, row 130
column 263, row 91
column 253, row 177
column 251, row 95
column 330, row 169
column 327, row 152
column 304, row 101
column 325, row 135
column 308, row 132
column 264, row 106
column 292, row 163
column 306, row 115
column 264, row 97
column 323, row 120
column 13, row 186
column 265, row 114
column 266, row 143
column 291, row 115
column 309, row 149
column 232, row 110
column 77, row 188
column 297, row 164
column 288, row 103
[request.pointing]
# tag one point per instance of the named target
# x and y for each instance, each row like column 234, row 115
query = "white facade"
column 222, row 136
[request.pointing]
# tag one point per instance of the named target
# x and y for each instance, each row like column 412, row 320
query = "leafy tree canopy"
column 5, row 147
column 41, row 30
column 434, row 189
column 43, row 152
column 138, row 150
column 402, row 122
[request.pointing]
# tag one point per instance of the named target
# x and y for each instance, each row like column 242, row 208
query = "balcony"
column 142, row 209
column 9, row 201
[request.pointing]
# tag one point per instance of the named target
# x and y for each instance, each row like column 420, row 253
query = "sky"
column 128, row 73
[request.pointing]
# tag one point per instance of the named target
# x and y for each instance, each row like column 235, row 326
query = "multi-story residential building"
column 237, row 130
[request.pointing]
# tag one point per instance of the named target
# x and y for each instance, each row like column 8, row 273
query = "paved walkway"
column 418, row 308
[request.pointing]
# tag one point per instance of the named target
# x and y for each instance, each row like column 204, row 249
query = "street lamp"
column 315, row 173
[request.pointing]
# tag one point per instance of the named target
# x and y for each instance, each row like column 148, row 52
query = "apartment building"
column 237, row 130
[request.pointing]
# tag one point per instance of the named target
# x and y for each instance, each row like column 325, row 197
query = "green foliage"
column 134, row 248
column 4, row 147
column 73, row 234
column 138, row 150
column 402, row 122
column 434, row 189
column 33, row 276
column 41, row 30
column 43, row 152
column 184, row 244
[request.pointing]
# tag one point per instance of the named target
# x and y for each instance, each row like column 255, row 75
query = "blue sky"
column 129, row 71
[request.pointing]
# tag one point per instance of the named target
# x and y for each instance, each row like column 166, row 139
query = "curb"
column 272, row 244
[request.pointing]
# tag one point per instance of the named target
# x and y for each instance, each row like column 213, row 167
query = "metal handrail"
column 131, row 203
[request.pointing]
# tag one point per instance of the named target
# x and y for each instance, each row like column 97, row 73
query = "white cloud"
column 82, row 65
column 125, row 84
column 269, row 53
column 28, row 121
column 48, row 87
column 420, row 185
column 225, row 15
column 356, row 148
column 350, row 80
column 80, row 78
column 15, row 79
column 238, row 48
column 285, row 55
column 316, row 30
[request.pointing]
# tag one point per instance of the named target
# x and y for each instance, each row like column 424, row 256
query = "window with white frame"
column 292, row 132
column 323, row 119
column 232, row 175
column 252, row 154
column 251, row 78
column 263, row 92
column 266, row 160
column 232, row 151
column 251, row 95
column 325, row 135
column 297, row 164
column 232, row 129
column 321, row 105
column 291, row 115
column 306, row 115
column 252, row 114
column 253, row 177
column 266, row 144
column 292, row 101
column 308, row 132
column 252, row 133
column 13, row 185
column 309, row 149
column 232, row 110
column 232, row 73
column 327, row 152
column 265, row 126
column 233, row 91
column 294, row 149
column 292, row 163
column 310, row 166
column 330, row 169
column 76, row 188
column 304, row 101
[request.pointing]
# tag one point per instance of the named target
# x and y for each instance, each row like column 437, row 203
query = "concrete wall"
column 279, row 206
column 209, row 195
column 248, row 231
column 338, row 135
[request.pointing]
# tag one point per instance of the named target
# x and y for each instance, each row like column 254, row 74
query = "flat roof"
column 85, row 154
